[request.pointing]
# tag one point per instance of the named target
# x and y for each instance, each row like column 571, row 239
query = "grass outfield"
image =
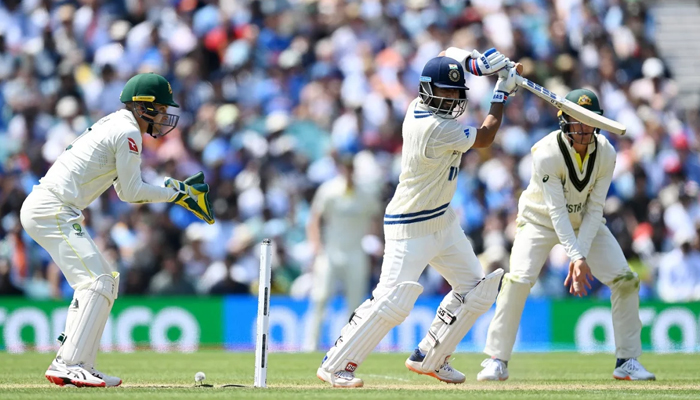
column 293, row 376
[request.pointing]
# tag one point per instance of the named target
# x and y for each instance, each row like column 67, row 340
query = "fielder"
column 572, row 171
column 348, row 212
column 108, row 153
column 421, row 228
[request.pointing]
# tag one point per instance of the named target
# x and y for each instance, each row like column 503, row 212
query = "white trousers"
column 531, row 248
column 59, row 229
column 533, row 243
column 448, row 251
column 352, row 269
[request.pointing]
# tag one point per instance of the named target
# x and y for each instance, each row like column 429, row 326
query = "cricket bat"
column 587, row 117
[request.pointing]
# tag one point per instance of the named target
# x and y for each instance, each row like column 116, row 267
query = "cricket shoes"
column 61, row 374
column 341, row 379
column 494, row 370
column 444, row 373
column 633, row 370
column 110, row 381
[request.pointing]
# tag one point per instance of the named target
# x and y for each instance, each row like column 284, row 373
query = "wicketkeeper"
column 108, row 153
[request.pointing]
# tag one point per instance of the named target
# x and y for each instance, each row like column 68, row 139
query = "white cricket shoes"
column 110, row 381
column 341, row 379
column 633, row 370
column 494, row 370
column 61, row 374
column 445, row 372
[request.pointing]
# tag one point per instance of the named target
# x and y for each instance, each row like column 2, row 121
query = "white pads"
column 455, row 317
column 372, row 320
column 86, row 320
column 509, row 309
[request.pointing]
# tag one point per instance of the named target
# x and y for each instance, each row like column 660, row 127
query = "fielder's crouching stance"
column 572, row 171
column 421, row 228
column 108, row 153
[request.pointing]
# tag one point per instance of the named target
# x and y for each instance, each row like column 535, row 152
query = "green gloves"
column 193, row 194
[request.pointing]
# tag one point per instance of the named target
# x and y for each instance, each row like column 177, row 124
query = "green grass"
column 153, row 376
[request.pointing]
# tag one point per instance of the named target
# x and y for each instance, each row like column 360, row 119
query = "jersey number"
column 453, row 173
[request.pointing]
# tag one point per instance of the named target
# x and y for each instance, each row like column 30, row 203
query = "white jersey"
column 347, row 214
column 109, row 152
column 430, row 158
column 565, row 197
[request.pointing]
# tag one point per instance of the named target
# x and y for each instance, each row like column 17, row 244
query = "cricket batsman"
column 421, row 228
column 108, row 153
column 572, row 171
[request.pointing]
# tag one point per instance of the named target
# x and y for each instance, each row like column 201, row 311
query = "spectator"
column 679, row 272
column 170, row 281
column 7, row 288
column 269, row 89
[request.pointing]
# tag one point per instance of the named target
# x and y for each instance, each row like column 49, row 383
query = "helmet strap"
column 150, row 111
column 149, row 130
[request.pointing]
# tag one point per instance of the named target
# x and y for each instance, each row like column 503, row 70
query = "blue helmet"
column 444, row 73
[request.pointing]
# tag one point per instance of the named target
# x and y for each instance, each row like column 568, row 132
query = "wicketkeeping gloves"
column 193, row 194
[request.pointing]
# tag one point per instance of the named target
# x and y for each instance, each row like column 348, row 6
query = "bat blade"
column 586, row 116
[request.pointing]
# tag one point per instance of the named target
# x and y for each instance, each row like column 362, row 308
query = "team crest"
column 78, row 230
column 170, row 90
column 454, row 75
column 585, row 101
column 133, row 148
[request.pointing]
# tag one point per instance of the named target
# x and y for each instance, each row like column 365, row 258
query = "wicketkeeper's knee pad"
column 86, row 320
column 368, row 326
column 455, row 316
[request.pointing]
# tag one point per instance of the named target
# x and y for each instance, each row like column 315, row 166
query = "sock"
column 417, row 355
column 620, row 361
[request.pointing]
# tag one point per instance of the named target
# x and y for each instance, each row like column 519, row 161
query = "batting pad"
column 84, row 328
column 509, row 309
column 625, row 315
column 368, row 326
column 455, row 317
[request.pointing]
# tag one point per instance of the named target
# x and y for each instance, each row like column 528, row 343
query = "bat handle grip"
column 519, row 80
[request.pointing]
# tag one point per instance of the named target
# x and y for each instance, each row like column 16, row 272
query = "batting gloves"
column 505, row 86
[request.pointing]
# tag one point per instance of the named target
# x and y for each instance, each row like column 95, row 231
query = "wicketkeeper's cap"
column 149, row 87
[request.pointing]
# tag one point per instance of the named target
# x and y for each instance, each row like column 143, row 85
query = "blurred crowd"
column 274, row 92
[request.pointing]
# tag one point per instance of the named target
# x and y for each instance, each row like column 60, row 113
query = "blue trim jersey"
column 430, row 158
